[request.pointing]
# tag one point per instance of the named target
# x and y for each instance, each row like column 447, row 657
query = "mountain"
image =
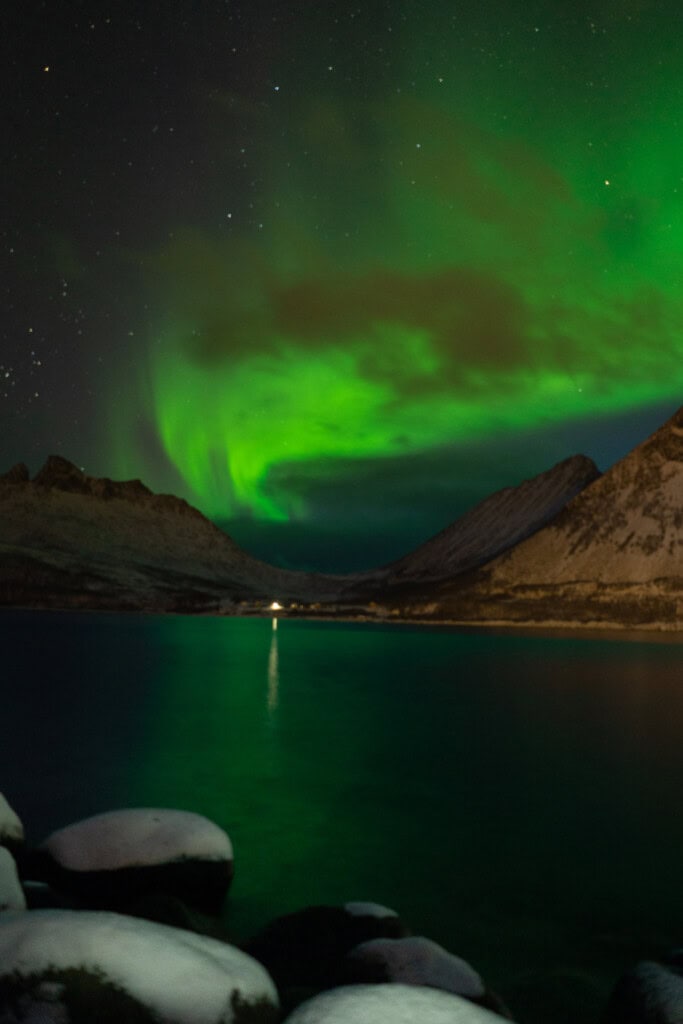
column 569, row 547
column 612, row 556
column 71, row 540
column 494, row 525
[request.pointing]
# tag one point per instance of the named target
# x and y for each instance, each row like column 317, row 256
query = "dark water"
column 518, row 799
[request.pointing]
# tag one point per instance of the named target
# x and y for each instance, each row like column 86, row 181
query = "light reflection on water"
column 273, row 673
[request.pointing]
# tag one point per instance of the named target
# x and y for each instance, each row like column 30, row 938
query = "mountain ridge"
column 635, row 509
column 493, row 525
column 99, row 533
column 121, row 545
column 613, row 555
column 567, row 547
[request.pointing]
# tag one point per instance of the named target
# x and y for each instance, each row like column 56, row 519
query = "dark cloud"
column 469, row 316
column 228, row 306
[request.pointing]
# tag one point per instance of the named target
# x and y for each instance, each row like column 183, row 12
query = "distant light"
column 275, row 606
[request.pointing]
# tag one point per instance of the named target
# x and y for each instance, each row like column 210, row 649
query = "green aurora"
column 488, row 242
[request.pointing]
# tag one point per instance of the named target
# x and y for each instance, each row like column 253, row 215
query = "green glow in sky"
column 494, row 247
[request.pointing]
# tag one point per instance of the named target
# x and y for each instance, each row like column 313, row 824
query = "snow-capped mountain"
column 494, row 525
column 613, row 555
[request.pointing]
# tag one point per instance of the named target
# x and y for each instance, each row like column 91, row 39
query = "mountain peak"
column 621, row 536
column 61, row 474
column 18, row 474
column 667, row 441
column 497, row 523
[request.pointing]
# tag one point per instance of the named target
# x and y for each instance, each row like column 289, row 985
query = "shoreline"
column 662, row 633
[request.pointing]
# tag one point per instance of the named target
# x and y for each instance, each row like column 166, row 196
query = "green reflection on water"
column 507, row 795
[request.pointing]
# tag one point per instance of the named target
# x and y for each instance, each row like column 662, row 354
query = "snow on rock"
column 182, row 977
column 359, row 908
column 112, row 860
column 650, row 993
column 389, row 1004
column 415, row 961
column 11, row 829
column 307, row 949
column 11, row 893
column 135, row 837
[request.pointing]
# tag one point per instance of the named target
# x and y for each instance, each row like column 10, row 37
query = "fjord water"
column 515, row 798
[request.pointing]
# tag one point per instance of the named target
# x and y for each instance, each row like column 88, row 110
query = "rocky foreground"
column 118, row 919
column 569, row 548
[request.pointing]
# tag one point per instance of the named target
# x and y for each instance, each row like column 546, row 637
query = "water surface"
column 515, row 798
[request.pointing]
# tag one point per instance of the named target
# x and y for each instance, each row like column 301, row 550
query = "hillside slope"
column 614, row 555
column 494, row 525
column 73, row 540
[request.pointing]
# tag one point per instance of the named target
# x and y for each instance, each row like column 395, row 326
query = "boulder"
column 413, row 961
column 11, row 828
column 166, row 909
column 11, row 893
column 112, row 860
column 650, row 993
column 389, row 1004
column 44, row 1006
column 100, row 966
column 41, row 896
column 305, row 950
column 362, row 908
column 559, row 993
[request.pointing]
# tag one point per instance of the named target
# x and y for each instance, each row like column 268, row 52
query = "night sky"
column 335, row 272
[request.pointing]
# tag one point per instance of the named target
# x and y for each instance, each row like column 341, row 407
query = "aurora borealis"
column 345, row 266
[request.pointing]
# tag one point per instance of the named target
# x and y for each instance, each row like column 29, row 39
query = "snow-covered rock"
column 40, row 896
column 180, row 977
column 650, row 993
column 306, row 949
column 361, row 908
column 389, row 1004
column 137, row 837
column 11, row 829
column 414, row 960
column 42, row 1006
column 11, row 893
column 112, row 859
